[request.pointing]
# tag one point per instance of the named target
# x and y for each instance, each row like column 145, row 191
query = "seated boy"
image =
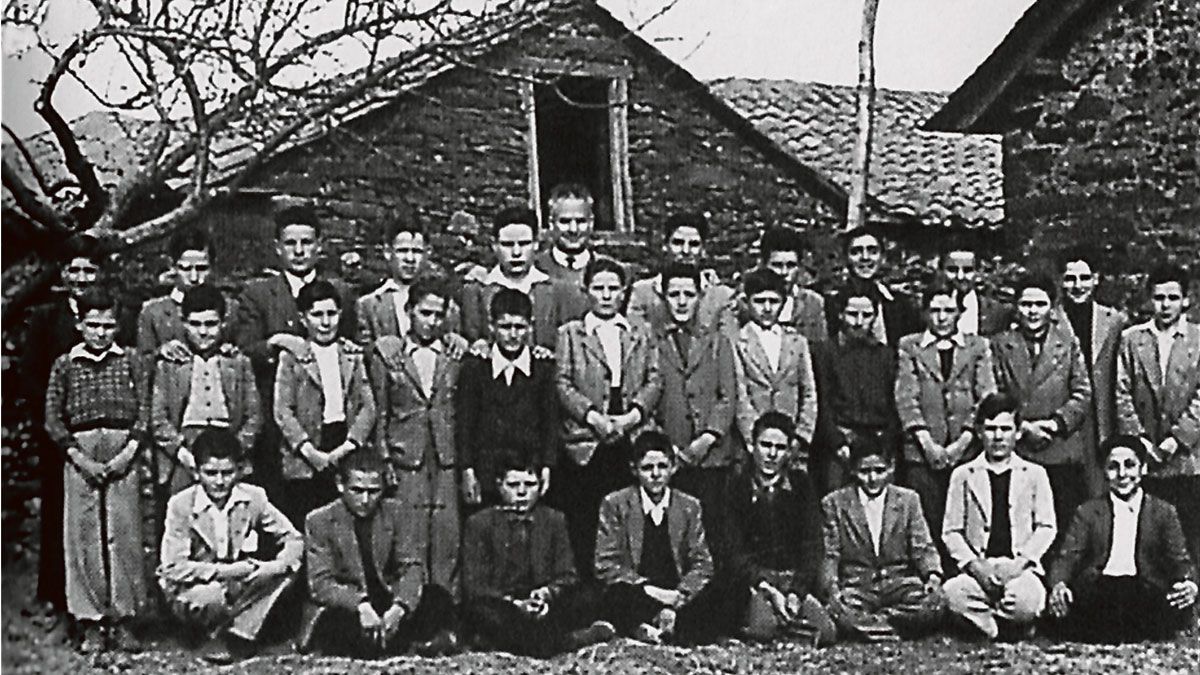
column 522, row 593
column 211, row 386
column 1122, row 573
column 651, row 553
column 774, row 539
column 882, row 574
column 211, row 567
column 368, row 592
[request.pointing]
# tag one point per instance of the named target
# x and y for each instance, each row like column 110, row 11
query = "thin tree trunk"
column 856, row 210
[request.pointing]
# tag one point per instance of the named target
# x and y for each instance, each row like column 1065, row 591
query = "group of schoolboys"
column 719, row 461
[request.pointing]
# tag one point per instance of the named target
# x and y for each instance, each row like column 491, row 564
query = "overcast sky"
column 920, row 44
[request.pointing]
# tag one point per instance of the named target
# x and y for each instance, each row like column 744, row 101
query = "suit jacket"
column 188, row 554
column 412, row 422
column 906, row 548
column 808, row 314
column 1149, row 405
column 1054, row 386
column 619, row 541
column 797, row 539
column 699, row 395
column 376, row 314
column 52, row 328
column 300, row 402
column 161, row 320
column 554, row 304
column 172, row 391
column 968, row 517
column 583, row 378
column 1107, row 325
column 485, row 547
column 334, row 564
column 1160, row 551
column 994, row 316
column 545, row 262
column 716, row 309
column 926, row 400
column 266, row 307
column 790, row 389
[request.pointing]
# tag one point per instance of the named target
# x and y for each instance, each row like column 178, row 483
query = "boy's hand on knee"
column 1060, row 600
column 1182, row 595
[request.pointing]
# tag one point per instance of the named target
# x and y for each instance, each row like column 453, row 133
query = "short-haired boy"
column 1123, row 572
column 652, row 555
column 888, row 583
column 213, row 565
column 522, row 593
column 160, row 324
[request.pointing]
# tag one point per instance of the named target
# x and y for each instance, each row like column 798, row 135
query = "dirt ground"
column 29, row 649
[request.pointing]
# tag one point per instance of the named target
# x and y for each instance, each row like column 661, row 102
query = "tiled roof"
column 940, row 178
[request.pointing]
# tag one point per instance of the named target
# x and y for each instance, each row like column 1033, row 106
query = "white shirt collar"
column 656, row 511
column 581, row 259
column 388, row 286
column 1175, row 331
column 884, row 291
column 868, row 499
column 997, row 467
column 591, row 322
column 495, row 277
column 500, row 362
column 203, row 502
column 928, row 338
column 79, row 351
column 176, row 296
column 295, row 283
column 776, row 330
column 411, row 345
column 1134, row 503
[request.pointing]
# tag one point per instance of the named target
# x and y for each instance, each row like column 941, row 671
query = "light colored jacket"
column 716, row 308
column 790, row 389
column 411, row 421
column 699, row 395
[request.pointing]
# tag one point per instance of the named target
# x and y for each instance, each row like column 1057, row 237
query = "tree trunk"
column 856, row 209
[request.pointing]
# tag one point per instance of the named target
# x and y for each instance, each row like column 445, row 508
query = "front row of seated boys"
column 860, row 565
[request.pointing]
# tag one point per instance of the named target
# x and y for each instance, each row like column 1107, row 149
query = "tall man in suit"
column 1040, row 363
column 1098, row 328
column 981, row 314
column 415, row 378
column 864, row 263
column 781, row 250
column 942, row 375
column 999, row 524
column 571, row 218
column 1123, row 571
column 698, row 392
column 268, row 320
column 555, row 302
column 773, row 364
column 684, row 237
column 652, row 554
column 368, row 592
column 1158, row 396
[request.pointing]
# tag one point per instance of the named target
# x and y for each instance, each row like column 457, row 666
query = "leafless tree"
column 856, row 210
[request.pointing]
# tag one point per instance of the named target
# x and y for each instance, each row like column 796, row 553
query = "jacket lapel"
column 891, row 518
column 670, row 351
column 1146, row 348
column 346, row 363
column 229, row 384
column 202, row 524
column 631, row 341
column 789, row 353
column 409, row 368
column 286, row 305
column 633, row 511
column 929, row 356
column 591, row 344
column 753, row 350
column 381, row 542
column 858, row 522
column 981, row 491
column 239, row 526
column 1052, row 351
column 1185, row 353
column 963, row 358
column 385, row 310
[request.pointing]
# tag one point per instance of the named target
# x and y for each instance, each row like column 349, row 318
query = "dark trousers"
column 627, row 606
column 337, row 631
column 503, row 626
column 1068, row 486
column 931, row 486
column 1182, row 492
column 709, row 486
column 52, row 569
column 578, row 490
column 299, row 497
column 1119, row 609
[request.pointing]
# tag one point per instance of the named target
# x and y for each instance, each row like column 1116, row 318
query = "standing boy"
column 782, row 251
column 864, row 263
column 161, row 321
column 384, row 310
column 981, row 315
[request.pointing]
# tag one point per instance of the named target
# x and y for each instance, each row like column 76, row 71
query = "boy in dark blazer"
column 881, row 574
column 522, row 593
column 652, row 555
column 773, row 541
column 506, row 399
column 1123, row 573
column 368, row 594
column 323, row 404
column 698, row 394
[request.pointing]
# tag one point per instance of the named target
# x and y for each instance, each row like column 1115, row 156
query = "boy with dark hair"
column 684, row 236
column 323, row 403
column 699, row 393
column 782, row 250
column 415, row 378
column 213, row 385
column 96, row 415
column 864, row 252
column 570, row 217
column 368, row 592
column 506, row 399
column 773, row 535
column 555, row 302
column 1040, row 363
column 1158, row 396
column 1123, row 573
column 887, row 584
column 981, row 315
column 855, row 375
column 773, row 364
column 522, row 593
column 652, row 555
column 160, row 323
column 212, row 566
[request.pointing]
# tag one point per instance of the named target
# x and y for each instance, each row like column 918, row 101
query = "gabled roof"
column 973, row 106
column 936, row 178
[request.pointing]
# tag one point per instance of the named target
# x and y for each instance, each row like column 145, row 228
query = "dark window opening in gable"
column 573, row 140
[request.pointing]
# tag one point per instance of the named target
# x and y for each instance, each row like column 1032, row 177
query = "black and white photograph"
column 608, row 337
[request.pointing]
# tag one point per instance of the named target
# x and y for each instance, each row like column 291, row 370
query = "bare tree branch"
column 38, row 177
column 30, row 202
